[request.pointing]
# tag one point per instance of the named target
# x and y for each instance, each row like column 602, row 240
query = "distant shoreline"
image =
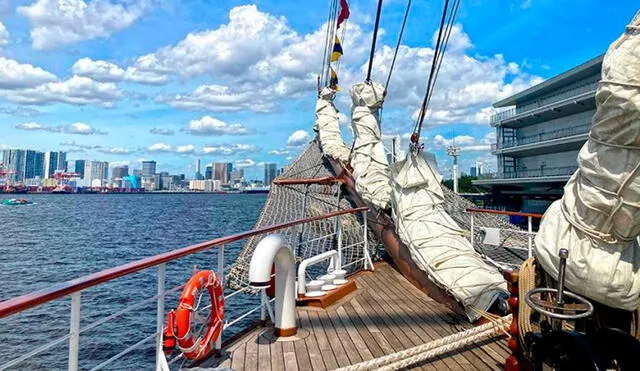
column 133, row 193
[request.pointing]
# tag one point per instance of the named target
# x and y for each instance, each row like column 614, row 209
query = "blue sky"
column 176, row 81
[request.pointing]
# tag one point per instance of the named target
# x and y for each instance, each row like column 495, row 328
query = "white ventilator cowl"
column 369, row 163
column 328, row 127
column 598, row 218
column 436, row 242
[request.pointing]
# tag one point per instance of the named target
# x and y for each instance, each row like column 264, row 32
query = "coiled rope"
column 434, row 348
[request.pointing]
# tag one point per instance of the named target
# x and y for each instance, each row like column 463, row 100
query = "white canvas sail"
column 436, row 242
column 328, row 127
column 598, row 218
column 370, row 166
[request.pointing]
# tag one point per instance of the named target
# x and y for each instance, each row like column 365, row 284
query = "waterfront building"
column 54, row 161
column 33, row 164
column 269, row 173
column 132, row 181
column 539, row 136
column 13, row 161
column 79, row 168
column 208, row 173
column 198, row 174
column 96, row 170
column 477, row 170
column 120, row 172
column 148, row 168
column 222, row 171
column 206, row 185
column 237, row 175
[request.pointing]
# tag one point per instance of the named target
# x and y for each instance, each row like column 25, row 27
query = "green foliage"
column 465, row 185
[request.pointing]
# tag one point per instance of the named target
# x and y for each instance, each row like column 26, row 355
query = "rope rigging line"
column 328, row 44
column 444, row 32
column 373, row 41
column 395, row 53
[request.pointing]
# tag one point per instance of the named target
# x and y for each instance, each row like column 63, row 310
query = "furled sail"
column 369, row 163
column 598, row 218
column 436, row 242
column 328, row 127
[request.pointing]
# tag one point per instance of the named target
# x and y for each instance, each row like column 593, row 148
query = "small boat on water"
column 15, row 202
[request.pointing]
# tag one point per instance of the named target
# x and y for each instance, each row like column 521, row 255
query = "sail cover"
column 328, row 127
column 436, row 242
column 598, row 218
column 370, row 166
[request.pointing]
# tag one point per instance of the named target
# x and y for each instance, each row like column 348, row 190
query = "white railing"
column 529, row 233
column 75, row 287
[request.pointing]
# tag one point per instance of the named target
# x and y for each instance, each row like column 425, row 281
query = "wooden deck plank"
column 302, row 355
column 251, row 355
column 264, row 354
column 237, row 358
column 315, row 357
column 289, row 354
column 277, row 356
column 339, row 350
column 372, row 344
column 440, row 319
column 350, row 349
column 356, row 339
column 326, row 351
column 406, row 316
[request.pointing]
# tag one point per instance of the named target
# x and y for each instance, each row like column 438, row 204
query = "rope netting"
column 287, row 202
column 512, row 249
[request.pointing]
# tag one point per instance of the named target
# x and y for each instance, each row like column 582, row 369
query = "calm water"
column 66, row 236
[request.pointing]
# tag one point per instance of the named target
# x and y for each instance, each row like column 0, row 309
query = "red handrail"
column 501, row 212
column 23, row 302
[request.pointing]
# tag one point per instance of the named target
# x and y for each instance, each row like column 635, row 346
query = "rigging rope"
column 328, row 44
column 441, row 44
column 395, row 53
column 373, row 41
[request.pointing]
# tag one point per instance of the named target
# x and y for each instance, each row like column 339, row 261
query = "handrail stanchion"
column 74, row 331
column 162, row 273
column 365, row 236
column 530, row 230
column 339, row 234
column 472, row 231
column 220, row 275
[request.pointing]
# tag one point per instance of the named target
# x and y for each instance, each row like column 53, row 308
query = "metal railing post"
column 339, row 234
column 220, row 274
column 471, row 238
column 530, row 229
column 162, row 273
column 74, row 331
column 367, row 260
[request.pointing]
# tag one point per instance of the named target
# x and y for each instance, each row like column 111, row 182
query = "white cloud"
column 159, row 147
column 77, row 90
column 4, row 35
column 20, row 111
column 79, row 128
column 218, row 98
column 231, row 149
column 104, row 71
column 115, row 151
column 14, row 75
column 280, row 152
column 56, row 23
column 298, row 138
column 189, row 148
column 209, row 126
column 113, row 164
column 466, row 143
column 245, row 163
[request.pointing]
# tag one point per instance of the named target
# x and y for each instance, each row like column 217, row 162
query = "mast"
column 373, row 41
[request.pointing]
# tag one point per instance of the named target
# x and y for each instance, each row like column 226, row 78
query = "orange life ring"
column 179, row 321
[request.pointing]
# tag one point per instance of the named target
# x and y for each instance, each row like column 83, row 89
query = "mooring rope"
column 434, row 348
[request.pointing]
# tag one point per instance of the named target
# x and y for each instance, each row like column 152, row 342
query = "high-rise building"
column 13, row 160
column 120, row 172
column 33, row 164
column 208, row 172
column 237, row 175
column 54, row 161
column 96, row 170
column 222, row 171
column 270, row 170
column 198, row 174
column 79, row 168
column 148, row 169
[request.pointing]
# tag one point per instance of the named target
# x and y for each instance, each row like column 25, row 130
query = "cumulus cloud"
column 298, row 138
column 79, row 128
column 4, row 35
column 56, row 23
column 466, row 143
column 14, row 75
column 245, row 163
column 218, row 98
column 77, row 90
column 161, row 131
column 20, row 111
column 104, row 71
column 209, row 126
column 280, row 152
column 229, row 149
column 159, row 147
column 77, row 147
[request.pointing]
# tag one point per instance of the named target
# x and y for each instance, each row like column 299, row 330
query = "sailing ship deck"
column 385, row 315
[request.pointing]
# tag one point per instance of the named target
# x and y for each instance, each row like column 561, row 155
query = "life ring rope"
column 179, row 334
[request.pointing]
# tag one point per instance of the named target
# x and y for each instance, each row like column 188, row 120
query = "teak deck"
column 385, row 315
